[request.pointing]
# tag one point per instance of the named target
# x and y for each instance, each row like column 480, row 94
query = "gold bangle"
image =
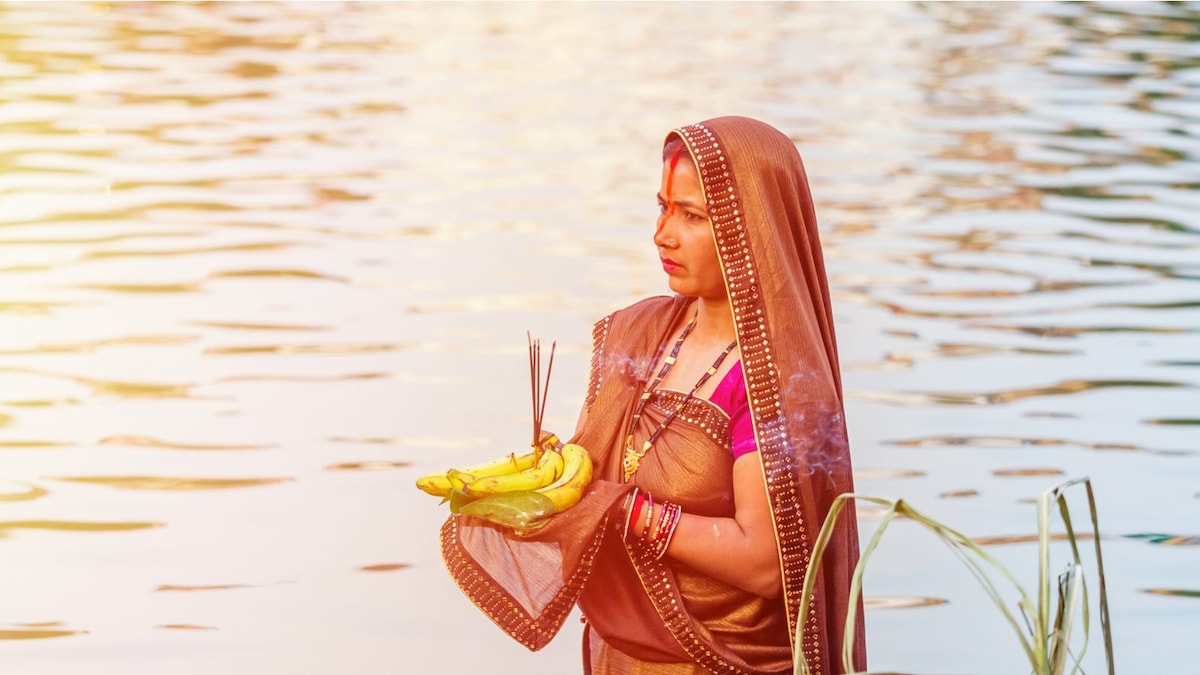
column 649, row 517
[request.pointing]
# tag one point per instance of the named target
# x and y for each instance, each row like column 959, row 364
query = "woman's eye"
column 693, row 217
column 662, row 209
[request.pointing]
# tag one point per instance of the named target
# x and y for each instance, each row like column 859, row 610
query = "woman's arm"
column 740, row 551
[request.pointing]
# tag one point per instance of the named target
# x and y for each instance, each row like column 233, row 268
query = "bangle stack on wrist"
column 656, row 535
column 666, row 529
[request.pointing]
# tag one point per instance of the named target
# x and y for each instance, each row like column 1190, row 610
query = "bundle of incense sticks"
column 539, row 387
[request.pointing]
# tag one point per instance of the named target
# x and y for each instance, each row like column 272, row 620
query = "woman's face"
column 684, row 236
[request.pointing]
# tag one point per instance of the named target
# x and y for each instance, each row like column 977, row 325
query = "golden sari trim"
column 499, row 606
column 760, row 371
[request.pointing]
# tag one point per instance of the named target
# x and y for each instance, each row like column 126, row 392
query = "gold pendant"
column 633, row 459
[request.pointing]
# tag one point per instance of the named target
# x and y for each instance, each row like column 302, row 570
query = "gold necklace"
column 634, row 457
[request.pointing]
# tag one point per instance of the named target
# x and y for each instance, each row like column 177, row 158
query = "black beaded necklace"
column 634, row 457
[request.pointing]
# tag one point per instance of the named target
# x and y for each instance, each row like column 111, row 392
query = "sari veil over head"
column 765, row 230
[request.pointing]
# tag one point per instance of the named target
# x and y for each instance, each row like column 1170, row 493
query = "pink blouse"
column 730, row 396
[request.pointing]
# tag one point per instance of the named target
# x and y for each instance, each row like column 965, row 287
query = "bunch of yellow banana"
column 443, row 484
column 516, row 491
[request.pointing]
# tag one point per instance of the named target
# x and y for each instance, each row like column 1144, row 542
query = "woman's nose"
column 662, row 235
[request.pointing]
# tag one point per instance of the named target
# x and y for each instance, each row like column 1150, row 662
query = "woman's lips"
column 669, row 265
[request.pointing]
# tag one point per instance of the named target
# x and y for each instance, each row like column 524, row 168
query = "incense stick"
column 539, row 391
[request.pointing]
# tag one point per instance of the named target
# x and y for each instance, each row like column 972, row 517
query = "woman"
column 714, row 417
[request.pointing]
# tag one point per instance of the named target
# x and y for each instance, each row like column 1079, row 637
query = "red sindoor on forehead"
column 672, row 162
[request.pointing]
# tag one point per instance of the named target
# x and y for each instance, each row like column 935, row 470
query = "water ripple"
column 8, row 526
column 384, row 567
column 1027, row 472
column 900, row 601
column 1159, row 539
column 237, row 325
column 149, row 442
column 368, row 465
column 430, row 442
column 361, row 348
column 93, row 345
column 1063, row 388
column 174, row 483
column 37, row 631
column 1001, row 540
column 17, row 491
column 1028, row 442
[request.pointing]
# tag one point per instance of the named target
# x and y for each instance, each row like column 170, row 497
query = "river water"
column 262, row 265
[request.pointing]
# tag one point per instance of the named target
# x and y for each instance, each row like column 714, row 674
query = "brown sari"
column 659, row 616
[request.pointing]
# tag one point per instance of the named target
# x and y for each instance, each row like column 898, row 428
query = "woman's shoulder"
column 646, row 308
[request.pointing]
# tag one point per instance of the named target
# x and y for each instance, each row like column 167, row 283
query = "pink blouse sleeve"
column 730, row 396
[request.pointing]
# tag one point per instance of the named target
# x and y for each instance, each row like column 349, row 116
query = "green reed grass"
column 1045, row 641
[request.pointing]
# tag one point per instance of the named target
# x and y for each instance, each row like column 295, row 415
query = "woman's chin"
column 681, row 288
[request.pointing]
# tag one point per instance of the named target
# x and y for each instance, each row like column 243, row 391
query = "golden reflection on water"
column 171, row 482
column 956, row 494
column 37, row 631
column 18, row 444
column 93, row 345
column 33, row 308
column 1019, row 442
column 348, row 377
column 144, row 288
column 256, row 247
column 305, row 349
column 180, row 588
column 148, row 442
column 276, row 274
column 7, row 526
column 899, row 602
column 1027, row 472
column 369, row 465
column 17, row 491
column 1002, row 397
column 384, row 567
column 428, row 442
column 1076, row 331
column 886, row 474
column 1173, row 592
column 906, row 359
column 235, row 325
column 1028, row 538
column 530, row 302
column 116, row 388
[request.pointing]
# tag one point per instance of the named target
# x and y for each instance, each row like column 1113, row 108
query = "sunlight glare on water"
column 264, row 264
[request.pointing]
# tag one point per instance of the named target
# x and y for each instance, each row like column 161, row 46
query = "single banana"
column 549, row 468
column 576, row 476
column 438, row 485
column 510, row 463
column 435, row 484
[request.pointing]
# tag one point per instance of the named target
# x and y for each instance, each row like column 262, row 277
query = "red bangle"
column 635, row 510
column 625, row 508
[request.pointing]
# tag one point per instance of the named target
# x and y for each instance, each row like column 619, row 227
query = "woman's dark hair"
column 673, row 148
